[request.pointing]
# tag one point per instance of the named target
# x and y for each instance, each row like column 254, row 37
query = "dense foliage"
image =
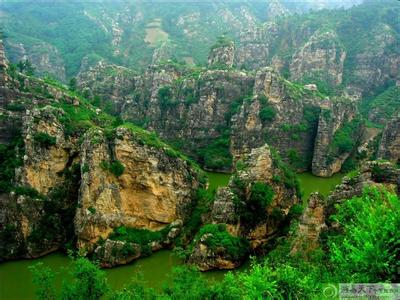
column 217, row 237
column 364, row 249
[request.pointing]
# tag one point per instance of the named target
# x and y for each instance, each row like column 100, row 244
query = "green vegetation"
column 222, row 41
column 165, row 96
column 219, row 238
column 216, row 156
column 364, row 249
column 88, row 282
column 369, row 249
column 10, row 158
column 136, row 235
column 345, row 138
column 261, row 195
column 267, row 112
column 44, row 139
column 115, row 167
column 384, row 105
column 288, row 176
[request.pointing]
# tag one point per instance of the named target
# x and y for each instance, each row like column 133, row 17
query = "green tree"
column 72, row 84
column 43, row 278
column 369, row 249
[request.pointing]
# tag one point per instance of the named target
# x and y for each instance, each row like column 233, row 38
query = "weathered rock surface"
column 389, row 147
column 153, row 191
column 321, row 57
column 222, row 56
column 328, row 159
column 311, row 224
column 373, row 173
column 234, row 209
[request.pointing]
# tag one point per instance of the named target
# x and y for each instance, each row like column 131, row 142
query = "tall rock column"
column 222, row 54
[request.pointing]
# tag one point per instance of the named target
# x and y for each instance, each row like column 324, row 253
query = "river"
column 16, row 279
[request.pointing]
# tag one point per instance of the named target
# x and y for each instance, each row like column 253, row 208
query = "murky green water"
column 16, row 279
column 310, row 183
column 217, row 179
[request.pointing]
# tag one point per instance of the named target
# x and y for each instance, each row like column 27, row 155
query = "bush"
column 369, row 248
column 115, row 167
column 345, row 138
column 136, row 235
column 217, row 155
column 15, row 107
column 267, row 114
column 44, row 139
column 28, row 191
column 261, row 195
column 235, row 247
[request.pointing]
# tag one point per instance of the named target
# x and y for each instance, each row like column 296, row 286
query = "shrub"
column 369, row 249
column 28, row 191
column 345, row 139
column 217, row 155
column 15, row 107
column 165, row 96
column 135, row 235
column 267, row 114
column 115, row 167
column 235, row 247
column 44, row 139
column 261, row 195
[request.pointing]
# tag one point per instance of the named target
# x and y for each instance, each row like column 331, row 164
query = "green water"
column 310, row 183
column 217, row 179
column 16, row 279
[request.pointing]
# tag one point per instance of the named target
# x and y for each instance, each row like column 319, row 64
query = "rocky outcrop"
column 222, row 55
column 389, row 147
column 373, row 173
column 249, row 211
column 152, row 188
column 111, row 85
column 338, row 133
column 46, row 58
column 38, row 214
column 321, row 58
column 311, row 224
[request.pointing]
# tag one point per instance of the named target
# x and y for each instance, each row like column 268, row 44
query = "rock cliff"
column 249, row 212
column 389, row 147
column 152, row 189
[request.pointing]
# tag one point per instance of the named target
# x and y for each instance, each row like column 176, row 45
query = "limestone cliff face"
column 37, row 215
column 373, row 173
column 196, row 108
column 112, row 83
column 311, row 224
column 288, row 128
column 222, row 56
column 153, row 191
column 376, row 63
column 234, row 208
column 44, row 164
column 389, row 147
column 321, row 57
column 44, row 57
column 328, row 158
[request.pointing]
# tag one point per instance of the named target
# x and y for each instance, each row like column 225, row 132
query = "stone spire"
column 222, row 54
column 3, row 59
column 3, row 64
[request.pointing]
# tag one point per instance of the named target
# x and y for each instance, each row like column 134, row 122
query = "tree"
column 72, row 84
column 21, row 66
column 29, row 69
column 369, row 249
column 88, row 281
column 43, row 278
column 26, row 67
